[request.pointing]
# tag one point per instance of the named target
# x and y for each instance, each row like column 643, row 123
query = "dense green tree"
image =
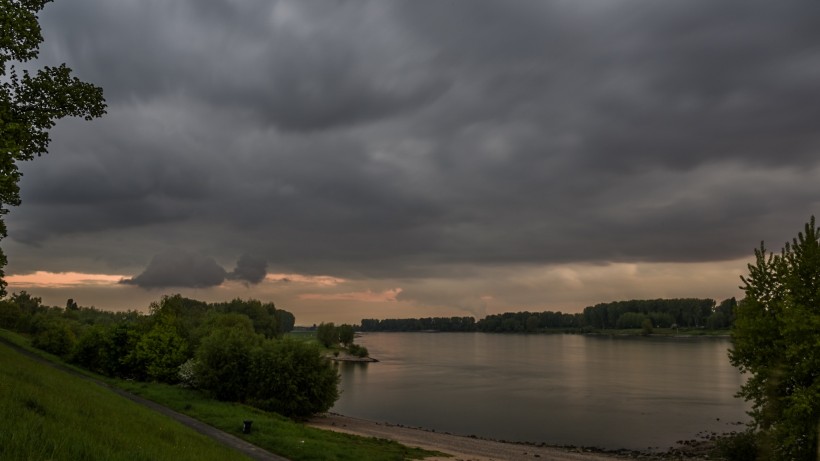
column 776, row 341
column 91, row 349
column 531, row 324
column 646, row 326
column 10, row 314
column 292, row 378
column 120, row 358
column 631, row 320
column 428, row 323
column 161, row 351
column 327, row 334
column 31, row 103
column 285, row 321
column 54, row 335
column 223, row 362
column 346, row 334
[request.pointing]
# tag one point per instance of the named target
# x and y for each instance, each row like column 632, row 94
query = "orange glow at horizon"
column 44, row 279
column 390, row 295
column 321, row 280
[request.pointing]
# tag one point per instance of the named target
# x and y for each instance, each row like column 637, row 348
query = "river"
column 607, row 392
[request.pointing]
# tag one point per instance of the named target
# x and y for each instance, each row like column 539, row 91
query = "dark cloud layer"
column 178, row 268
column 387, row 139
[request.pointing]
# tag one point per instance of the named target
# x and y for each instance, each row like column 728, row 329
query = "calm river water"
column 607, row 392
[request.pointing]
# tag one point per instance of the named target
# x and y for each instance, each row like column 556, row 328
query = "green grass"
column 48, row 414
column 270, row 431
column 273, row 432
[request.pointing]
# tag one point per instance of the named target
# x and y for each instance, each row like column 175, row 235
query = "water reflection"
column 558, row 389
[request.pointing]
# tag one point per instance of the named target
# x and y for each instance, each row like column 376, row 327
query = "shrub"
column 223, row 362
column 90, row 349
column 327, row 334
column 357, row 350
column 740, row 446
column 346, row 334
column 292, row 378
column 10, row 315
column 162, row 350
column 187, row 374
column 646, row 326
column 55, row 336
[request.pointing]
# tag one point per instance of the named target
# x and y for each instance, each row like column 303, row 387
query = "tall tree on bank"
column 31, row 103
column 776, row 339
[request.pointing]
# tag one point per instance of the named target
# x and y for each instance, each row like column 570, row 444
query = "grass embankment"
column 70, row 418
column 48, row 414
column 273, row 432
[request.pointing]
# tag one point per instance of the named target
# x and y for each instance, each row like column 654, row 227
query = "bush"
column 327, row 334
column 119, row 358
column 162, row 350
column 357, row 350
column 55, row 337
column 10, row 315
column 187, row 374
column 740, row 446
column 223, row 363
column 346, row 334
column 646, row 327
column 90, row 349
column 292, row 378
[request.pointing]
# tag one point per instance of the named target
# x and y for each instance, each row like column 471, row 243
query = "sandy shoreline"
column 461, row 447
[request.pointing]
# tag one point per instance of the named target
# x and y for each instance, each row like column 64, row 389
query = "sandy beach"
column 462, row 448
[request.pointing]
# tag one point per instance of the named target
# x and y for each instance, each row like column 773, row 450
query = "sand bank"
column 462, row 448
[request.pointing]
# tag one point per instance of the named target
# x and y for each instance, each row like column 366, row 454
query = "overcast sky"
column 350, row 159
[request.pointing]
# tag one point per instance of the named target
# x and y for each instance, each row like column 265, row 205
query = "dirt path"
column 246, row 448
column 462, row 448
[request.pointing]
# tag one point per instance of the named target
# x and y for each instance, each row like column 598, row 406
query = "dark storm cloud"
column 297, row 66
column 249, row 269
column 384, row 138
column 178, row 268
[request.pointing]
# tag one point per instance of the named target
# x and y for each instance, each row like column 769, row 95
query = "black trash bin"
column 246, row 426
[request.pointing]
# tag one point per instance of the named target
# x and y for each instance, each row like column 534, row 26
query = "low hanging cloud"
column 249, row 269
column 178, row 268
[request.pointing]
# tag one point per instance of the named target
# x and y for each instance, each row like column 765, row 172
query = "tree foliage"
column 30, row 103
column 223, row 362
column 776, row 341
column 292, row 378
column 346, row 334
column 327, row 334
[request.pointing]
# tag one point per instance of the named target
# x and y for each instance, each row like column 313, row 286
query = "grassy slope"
column 274, row 432
column 270, row 431
column 47, row 414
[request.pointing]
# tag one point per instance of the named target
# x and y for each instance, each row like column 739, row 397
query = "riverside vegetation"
column 234, row 351
column 39, row 423
column 688, row 315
